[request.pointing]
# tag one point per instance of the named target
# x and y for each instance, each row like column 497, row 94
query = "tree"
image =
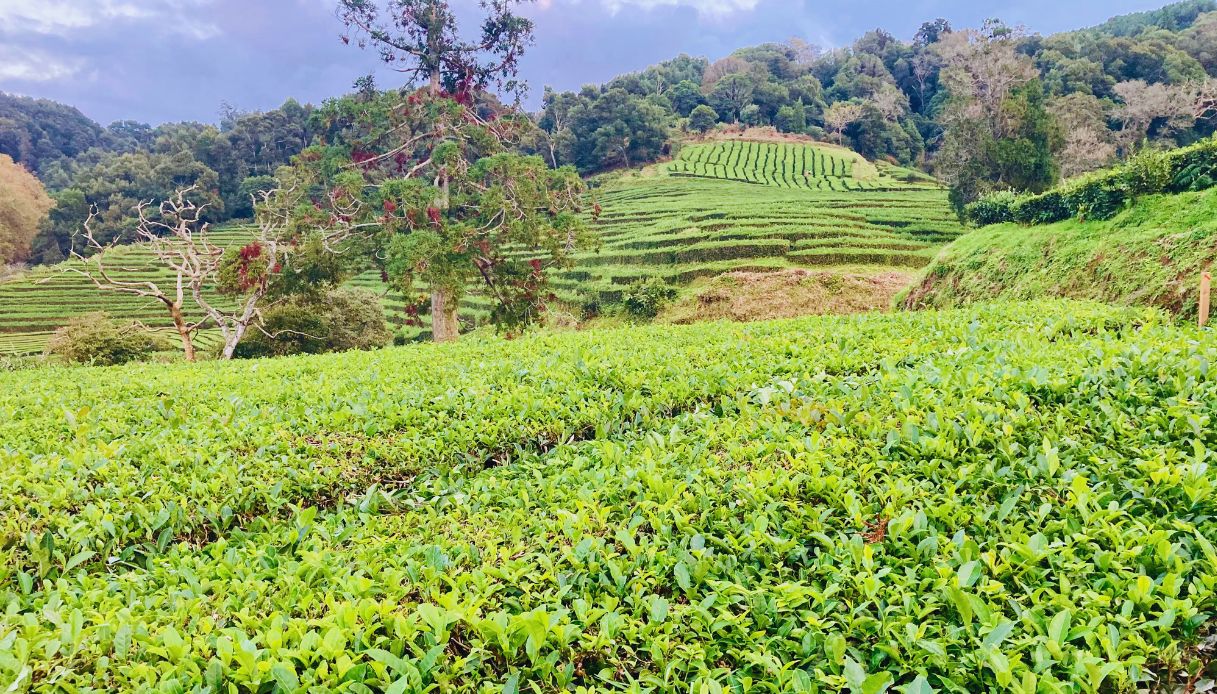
column 1088, row 144
column 731, row 94
column 1146, row 107
column 686, row 96
column 719, row 69
column 702, row 119
column 175, row 233
column 23, row 204
column 840, row 116
column 998, row 132
column 421, row 39
column 791, row 119
column 931, row 32
column 450, row 198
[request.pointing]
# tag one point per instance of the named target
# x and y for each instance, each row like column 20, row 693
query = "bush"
column 336, row 321
column 1103, row 194
column 95, row 339
column 993, row 208
column 644, row 299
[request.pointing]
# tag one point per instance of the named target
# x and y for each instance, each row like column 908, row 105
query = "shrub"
column 1044, row 208
column 336, row 321
column 95, row 339
column 1103, row 194
column 993, row 208
column 644, row 299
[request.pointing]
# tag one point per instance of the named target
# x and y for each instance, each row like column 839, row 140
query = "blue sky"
column 167, row 60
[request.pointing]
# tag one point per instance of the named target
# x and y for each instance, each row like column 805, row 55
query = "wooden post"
column 1206, row 286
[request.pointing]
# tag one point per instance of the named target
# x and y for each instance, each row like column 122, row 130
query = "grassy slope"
column 681, row 228
column 957, row 500
column 1151, row 254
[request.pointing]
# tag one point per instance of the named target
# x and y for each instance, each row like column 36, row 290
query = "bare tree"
column 924, row 66
column 841, row 115
column 890, row 101
column 1144, row 103
column 804, row 53
column 1088, row 143
column 1203, row 97
column 179, row 240
column 981, row 71
column 720, row 69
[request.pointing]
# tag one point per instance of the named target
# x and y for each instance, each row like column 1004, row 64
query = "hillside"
column 1150, row 254
column 950, row 501
column 677, row 225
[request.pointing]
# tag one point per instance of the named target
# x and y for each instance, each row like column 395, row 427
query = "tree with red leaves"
column 433, row 168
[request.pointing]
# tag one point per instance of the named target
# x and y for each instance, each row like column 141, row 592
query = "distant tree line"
column 115, row 168
column 987, row 109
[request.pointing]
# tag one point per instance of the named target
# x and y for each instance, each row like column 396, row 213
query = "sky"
column 171, row 60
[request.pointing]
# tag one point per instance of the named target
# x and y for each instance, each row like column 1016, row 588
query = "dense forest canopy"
column 986, row 109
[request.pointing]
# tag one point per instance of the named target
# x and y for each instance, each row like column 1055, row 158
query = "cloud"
column 715, row 8
column 35, row 66
column 70, row 17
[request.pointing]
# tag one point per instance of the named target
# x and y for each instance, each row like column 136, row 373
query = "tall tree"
column 999, row 133
column 431, row 170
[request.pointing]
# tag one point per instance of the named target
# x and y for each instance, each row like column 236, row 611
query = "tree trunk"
column 444, row 326
column 179, row 323
column 434, row 86
column 233, row 339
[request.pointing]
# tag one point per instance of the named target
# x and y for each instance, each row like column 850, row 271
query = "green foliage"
column 1009, row 497
column 38, row 132
column 1103, row 194
column 644, row 299
column 93, row 338
column 703, row 119
column 791, row 118
column 1151, row 253
column 335, row 321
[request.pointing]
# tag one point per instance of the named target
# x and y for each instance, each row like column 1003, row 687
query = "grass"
column 1151, row 254
column 1004, row 497
column 752, row 296
column 869, row 218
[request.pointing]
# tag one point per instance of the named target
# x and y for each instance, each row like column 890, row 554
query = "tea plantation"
column 799, row 165
column 679, row 228
column 1006, row 497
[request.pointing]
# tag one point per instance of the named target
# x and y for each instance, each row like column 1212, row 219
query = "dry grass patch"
column 752, row 296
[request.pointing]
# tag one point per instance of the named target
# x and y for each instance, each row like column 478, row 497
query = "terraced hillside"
column 806, row 166
column 681, row 227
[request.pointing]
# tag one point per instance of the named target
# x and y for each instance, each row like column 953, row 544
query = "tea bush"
column 93, row 338
column 1010, row 497
column 1103, row 194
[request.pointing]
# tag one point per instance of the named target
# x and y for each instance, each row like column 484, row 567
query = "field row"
column 959, row 501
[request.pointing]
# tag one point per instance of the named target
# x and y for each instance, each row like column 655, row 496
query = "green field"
column 679, row 228
column 800, row 166
column 1010, row 497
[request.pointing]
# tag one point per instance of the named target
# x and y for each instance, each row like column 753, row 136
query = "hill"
column 951, row 501
column 858, row 216
column 1151, row 254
